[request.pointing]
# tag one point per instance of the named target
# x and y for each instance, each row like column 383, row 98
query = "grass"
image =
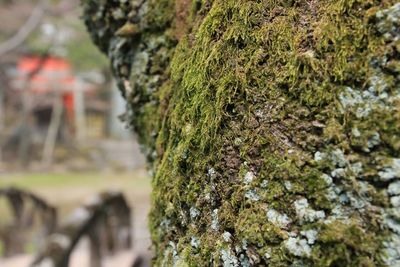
column 32, row 181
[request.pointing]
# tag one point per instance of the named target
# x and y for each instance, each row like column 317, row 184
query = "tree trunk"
column 53, row 130
column 272, row 127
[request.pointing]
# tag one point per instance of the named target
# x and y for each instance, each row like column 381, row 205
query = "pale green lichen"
column 394, row 188
column 391, row 171
column 227, row 236
column 305, row 213
column 195, row 242
column 215, row 222
column 194, row 213
column 249, row 177
column 278, row 219
column 252, row 195
column 229, row 260
column 311, row 236
column 298, row 247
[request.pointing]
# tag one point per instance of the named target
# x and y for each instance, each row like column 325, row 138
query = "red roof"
column 52, row 73
column 29, row 64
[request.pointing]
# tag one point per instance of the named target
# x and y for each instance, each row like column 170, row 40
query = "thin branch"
column 34, row 20
column 24, row 32
column 63, row 7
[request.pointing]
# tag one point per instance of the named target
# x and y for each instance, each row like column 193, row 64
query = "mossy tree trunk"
column 271, row 127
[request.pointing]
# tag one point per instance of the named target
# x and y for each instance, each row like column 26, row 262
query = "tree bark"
column 272, row 127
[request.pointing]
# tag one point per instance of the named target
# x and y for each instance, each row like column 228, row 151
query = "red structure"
column 47, row 75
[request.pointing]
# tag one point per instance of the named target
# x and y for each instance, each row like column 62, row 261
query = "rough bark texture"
column 272, row 127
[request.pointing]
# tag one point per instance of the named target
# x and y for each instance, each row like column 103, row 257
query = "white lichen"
column 362, row 103
column 344, row 199
column 311, row 235
column 356, row 168
column 391, row 171
column 357, row 201
column 227, row 236
column 195, row 242
column 318, row 156
column 338, row 159
column 388, row 22
column 194, row 213
column 355, row 132
column 328, row 180
column 391, row 251
column 171, row 251
column 214, row 220
column 175, row 254
column 292, row 234
column 331, row 194
column 339, row 213
column 244, row 261
column 350, row 98
column 288, row 185
column 394, row 188
column 278, row 219
column 395, row 201
column 392, row 224
column 252, row 195
column 228, row 259
column 264, row 184
column 248, row 177
column 244, row 244
column 339, row 173
column 165, row 223
column 267, row 255
column 305, row 213
column 373, row 140
column 212, row 173
column 298, row 247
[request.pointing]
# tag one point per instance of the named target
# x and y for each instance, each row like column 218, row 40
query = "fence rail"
column 105, row 221
column 26, row 207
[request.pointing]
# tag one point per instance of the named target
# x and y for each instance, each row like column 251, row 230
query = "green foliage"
column 85, row 57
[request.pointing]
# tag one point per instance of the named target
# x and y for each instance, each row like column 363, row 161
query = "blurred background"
column 61, row 136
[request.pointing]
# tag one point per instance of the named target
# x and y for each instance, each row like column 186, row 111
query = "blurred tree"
column 37, row 26
column 47, row 28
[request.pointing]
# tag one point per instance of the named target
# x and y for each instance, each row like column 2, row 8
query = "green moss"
column 348, row 239
column 275, row 88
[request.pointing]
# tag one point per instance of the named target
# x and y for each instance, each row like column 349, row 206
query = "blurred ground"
column 68, row 190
